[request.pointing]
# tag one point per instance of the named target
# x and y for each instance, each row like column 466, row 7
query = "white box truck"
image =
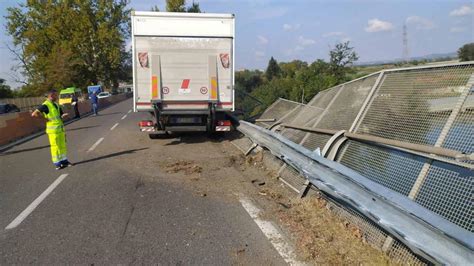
column 183, row 70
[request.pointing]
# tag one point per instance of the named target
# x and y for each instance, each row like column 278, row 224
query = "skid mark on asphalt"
column 35, row 203
column 271, row 232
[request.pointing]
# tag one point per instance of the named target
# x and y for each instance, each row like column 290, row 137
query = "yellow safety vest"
column 55, row 123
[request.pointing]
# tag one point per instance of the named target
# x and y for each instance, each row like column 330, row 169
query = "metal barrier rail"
column 425, row 150
column 427, row 234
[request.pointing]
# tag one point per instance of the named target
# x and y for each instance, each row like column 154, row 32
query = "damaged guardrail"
column 424, row 232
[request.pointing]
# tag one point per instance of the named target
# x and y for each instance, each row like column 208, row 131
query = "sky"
column 308, row 29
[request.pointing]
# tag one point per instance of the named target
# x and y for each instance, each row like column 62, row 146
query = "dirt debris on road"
column 218, row 170
column 183, row 166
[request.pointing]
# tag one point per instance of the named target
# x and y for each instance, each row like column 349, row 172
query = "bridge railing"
column 431, row 107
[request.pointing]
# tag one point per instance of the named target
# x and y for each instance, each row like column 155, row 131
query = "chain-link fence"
column 431, row 106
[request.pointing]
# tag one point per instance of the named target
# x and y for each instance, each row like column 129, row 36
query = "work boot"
column 59, row 167
column 66, row 163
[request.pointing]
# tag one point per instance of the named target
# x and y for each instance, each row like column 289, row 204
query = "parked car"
column 8, row 108
column 103, row 95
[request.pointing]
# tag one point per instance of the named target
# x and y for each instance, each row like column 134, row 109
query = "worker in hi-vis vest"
column 51, row 110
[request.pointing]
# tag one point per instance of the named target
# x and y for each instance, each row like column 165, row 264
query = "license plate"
column 186, row 120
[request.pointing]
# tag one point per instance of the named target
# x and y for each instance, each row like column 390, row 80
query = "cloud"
column 420, row 23
column 289, row 27
column 262, row 39
column 301, row 45
column 305, row 42
column 259, row 53
column 377, row 25
column 457, row 29
column 299, row 48
column 462, row 11
column 333, row 33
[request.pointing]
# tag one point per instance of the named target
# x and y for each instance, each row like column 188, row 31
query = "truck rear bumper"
column 186, row 128
column 222, row 128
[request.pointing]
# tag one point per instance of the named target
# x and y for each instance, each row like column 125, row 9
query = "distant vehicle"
column 96, row 88
column 103, row 95
column 65, row 96
column 6, row 108
column 183, row 70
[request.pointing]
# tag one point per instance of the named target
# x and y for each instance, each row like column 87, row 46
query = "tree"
column 69, row 43
column 176, row 5
column 341, row 58
column 194, row 8
column 5, row 91
column 248, row 80
column 155, row 8
column 273, row 70
column 466, row 52
column 179, row 6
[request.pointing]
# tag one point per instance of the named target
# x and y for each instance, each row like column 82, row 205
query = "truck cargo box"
column 183, row 67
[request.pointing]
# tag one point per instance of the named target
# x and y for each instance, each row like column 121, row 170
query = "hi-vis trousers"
column 57, row 141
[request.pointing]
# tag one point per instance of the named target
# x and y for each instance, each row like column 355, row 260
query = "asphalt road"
column 119, row 205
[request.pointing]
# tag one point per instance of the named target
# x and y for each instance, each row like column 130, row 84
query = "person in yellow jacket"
column 51, row 111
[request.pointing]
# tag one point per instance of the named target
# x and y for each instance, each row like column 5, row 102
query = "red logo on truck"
column 225, row 60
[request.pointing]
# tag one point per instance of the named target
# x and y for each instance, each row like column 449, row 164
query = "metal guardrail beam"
column 408, row 147
column 424, row 232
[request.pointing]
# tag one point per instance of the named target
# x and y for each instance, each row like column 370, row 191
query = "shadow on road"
column 199, row 137
column 110, row 156
column 79, row 128
column 24, row 150
column 114, row 113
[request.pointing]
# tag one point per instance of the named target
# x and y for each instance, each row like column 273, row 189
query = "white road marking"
column 35, row 203
column 114, row 126
column 95, row 144
column 123, row 117
column 129, row 111
column 271, row 232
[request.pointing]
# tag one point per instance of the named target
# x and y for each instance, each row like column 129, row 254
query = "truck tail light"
column 224, row 123
column 145, row 123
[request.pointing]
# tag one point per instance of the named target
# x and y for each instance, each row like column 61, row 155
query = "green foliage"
column 341, row 58
column 194, row 8
column 70, row 43
column 289, row 69
column 5, row 91
column 179, row 6
column 296, row 80
column 466, row 52
column 176, row 5
column 248, row 80
column 273, row 69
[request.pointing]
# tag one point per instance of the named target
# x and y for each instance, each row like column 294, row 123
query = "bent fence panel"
column 432, row 105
